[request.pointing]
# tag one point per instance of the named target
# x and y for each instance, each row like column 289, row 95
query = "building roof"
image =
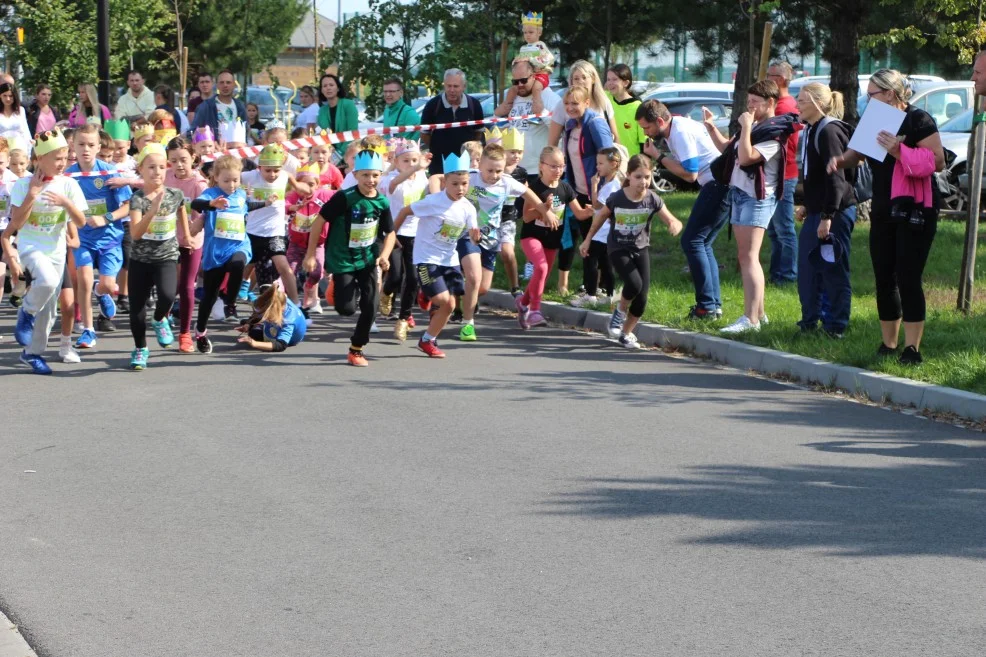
column 304, row 36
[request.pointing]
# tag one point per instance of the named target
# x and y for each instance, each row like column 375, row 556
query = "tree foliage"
column 956, row 25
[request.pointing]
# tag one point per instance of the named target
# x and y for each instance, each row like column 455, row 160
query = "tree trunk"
column 846, row 19
column 609, row 36
column 744, row 75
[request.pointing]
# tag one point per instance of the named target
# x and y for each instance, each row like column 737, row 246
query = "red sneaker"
column 330, row 293
column 410, row 322
column 423, row 301
column 431, row 348
column 357, row 359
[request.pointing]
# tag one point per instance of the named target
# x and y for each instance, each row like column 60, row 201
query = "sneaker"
column 741, row 325
column 78, row 328
column 467, row 333
column 718, row 312
column 629, row 340
column 535, row 318
column 456, row 317
column 162, row 330
column 203, row 344
column 386, row 304
column 122, row 304
column 107, row 306
column 316, row 307
column 37, row 364
column 702, row 314
column 430, row 347
column 105, row 324
column 884, row 350
column 330, row 293
column 400, row 330
column 834, row 334
column 616, row 322
column 185, row 344
column 244, row 291
column 86, row 341
column 229, row 314
column 357, row 359
column 307, row 316
column 68, row 354
column 410, row 322
column 582, row 300
column 517, row 292
column 374, row 328
column 24, row 328
column 16, row 301
column 423, row 302
column 138, row 359
column 528, row 272
column 252, row 296
column 523, row 313
column 910, row 356
column 764, row 321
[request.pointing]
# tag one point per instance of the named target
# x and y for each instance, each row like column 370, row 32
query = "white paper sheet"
column 878, row 116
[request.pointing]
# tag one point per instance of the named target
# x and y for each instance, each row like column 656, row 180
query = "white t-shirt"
column 489, row 201
column 745, row 182
column 691, row 145
column 602, row 194
column 410, row 191
column 45, row 229
column 226, row 113
column 269, row 221
column 441, row 221
column 349, row 181
column 535, row 130
column 308, row 115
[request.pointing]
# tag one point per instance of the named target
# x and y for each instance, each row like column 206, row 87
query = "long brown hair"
column 639, row 161
column 269, row 306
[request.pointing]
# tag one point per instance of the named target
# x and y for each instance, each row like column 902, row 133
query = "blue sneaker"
column 24, row 328
column 36, row 363
column 138, row 358
column 107, row 305
column 252, row 296
column 243, row 295
column 163, row 332
column 87, row 340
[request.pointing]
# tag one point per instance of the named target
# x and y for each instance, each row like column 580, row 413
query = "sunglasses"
column 519, row 81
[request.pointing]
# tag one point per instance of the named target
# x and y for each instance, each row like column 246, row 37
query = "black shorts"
column 435, row 279
column 264, row 248
column 127, row 243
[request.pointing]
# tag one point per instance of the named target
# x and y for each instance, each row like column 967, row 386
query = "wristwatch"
column 109, row 217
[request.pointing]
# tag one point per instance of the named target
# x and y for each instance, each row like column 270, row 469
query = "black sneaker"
column 16, row 301
column 884, row 350
column 833, row 334
column 105, row 324
column 910, row 356
column 231, row 316
column 456, row 317
column 203, row 344
column 701, row 313
column 122, row 304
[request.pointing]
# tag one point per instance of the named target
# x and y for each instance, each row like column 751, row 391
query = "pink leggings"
column 542, row 259
column 189, row 261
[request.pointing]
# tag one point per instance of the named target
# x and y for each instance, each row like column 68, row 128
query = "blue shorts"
column 435, row 279
column 107, row 263
column 748, row 211
column 466, row 246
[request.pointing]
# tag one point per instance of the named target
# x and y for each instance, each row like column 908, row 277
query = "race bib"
column 162, row 228
column 557, row 207
column 362, row 235
column 449, row 232
column 230, row 226
column 188, row 208
column 46, row 221
column 97, row 208
column 272, row 192
column 631, row 222
column 302, row 223
column 4, row 205
column 413, row 196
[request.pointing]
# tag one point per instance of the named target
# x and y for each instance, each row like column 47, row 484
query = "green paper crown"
column 117, row 130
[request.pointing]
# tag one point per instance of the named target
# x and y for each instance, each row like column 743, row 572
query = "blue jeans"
column 825, row 290
column 784, row 238
column 709, row 215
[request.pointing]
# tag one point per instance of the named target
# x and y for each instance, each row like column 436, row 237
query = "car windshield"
column 958, row 123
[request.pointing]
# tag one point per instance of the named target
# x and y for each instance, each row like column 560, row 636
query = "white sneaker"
column 317, row 308
column 68, row 354
column 374, row 328
column 629, row 340
column 764, row 320
column 582, row 300
column 741, row 325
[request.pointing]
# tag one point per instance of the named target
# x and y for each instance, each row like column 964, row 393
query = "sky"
column 330, row 8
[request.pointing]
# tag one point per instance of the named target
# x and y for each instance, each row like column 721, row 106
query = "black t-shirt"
column 512, row 212
column 563, row 195
column 917, row 125
column 629, row 221
column 449, row 140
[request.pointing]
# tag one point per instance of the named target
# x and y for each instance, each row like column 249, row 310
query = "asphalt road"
column 536, row 494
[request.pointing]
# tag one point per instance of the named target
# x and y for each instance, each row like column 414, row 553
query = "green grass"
column 954, row 345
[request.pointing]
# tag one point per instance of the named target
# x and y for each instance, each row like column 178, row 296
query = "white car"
column 691, row 90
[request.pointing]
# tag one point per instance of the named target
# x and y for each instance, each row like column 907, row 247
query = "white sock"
column 427, row 337
column 66, row 340
column 469, row 322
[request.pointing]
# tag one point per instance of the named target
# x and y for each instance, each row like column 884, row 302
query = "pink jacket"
column 912, row 175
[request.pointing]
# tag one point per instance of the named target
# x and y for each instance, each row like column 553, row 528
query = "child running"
column 598, row 272
column 513, row 144
column 540, row 237
column 303, row 210
column 629, row 212
column 442, row 217
column 42, row 205
column 276, row 322
column 156, row 212
column 357, row 218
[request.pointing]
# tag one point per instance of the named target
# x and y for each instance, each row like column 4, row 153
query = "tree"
column 956, row 25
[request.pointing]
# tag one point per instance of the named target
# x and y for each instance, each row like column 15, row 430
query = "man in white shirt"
column 138, row 102
column 519, row 101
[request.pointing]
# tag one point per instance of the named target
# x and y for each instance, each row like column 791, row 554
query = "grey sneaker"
column 629, row 341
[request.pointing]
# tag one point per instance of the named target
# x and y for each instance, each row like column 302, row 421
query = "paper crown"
column 117, row 130
column 234, row 132
column 49, row 141
column 274, row 124
column 454, row 163
column 164, row 131
column 152, row 148
column 493, row 136
column 310, row 169
column 512, row 140
column 368, row 160
column 532, row 18
column 380, row 149
column 272, row 155
column 203, row 134
column 142, row 130
column 407, row 146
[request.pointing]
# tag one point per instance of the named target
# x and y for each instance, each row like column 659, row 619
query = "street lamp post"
column 103, row 50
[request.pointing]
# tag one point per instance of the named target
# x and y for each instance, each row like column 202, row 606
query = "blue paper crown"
column 368, row 160
column 453, row 163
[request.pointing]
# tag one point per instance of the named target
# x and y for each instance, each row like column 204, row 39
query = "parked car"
column 720, row 90
column 917, row 81
column 265, row 103
column 955, row 135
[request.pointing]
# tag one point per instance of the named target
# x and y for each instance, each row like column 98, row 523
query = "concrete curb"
column 875, row 386
column 12, row 644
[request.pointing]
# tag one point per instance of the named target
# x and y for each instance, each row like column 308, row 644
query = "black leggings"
column 212, row 280
column 401, row 277
column 633, row 268
column 144, row 276
column 899, row 253
column 362, row 282
column 598, row 272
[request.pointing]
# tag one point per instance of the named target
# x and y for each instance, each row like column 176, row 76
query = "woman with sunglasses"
column 13, row 119
column 902, row 225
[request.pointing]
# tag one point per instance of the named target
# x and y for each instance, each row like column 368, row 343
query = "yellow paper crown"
column 512, row 140
column 18, row 144
column 153, row 148
column 532, row 18
column 49, row 141
column 143, row 130
column 493, row 136
column 380, row 150
column 311, row 169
